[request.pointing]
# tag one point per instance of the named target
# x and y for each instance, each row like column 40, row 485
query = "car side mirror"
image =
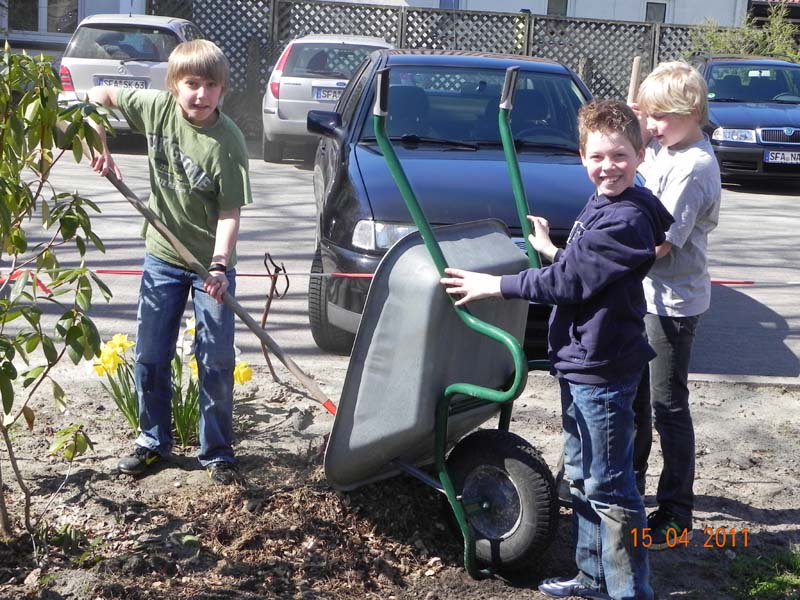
column 325, row 123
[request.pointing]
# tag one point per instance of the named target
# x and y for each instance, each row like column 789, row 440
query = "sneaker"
column 660, row 522
column 140, row 461
column 224, row 473
column 566, row 588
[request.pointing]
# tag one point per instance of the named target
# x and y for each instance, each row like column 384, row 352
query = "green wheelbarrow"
column 424, row 374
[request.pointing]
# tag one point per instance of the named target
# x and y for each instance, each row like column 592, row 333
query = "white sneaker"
column 565, row 588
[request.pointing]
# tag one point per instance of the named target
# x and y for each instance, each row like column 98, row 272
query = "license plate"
column 326, row 93
column 122, row 82
column 792, row 158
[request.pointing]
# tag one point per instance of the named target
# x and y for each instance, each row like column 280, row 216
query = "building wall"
column 682, row 12
column 52, row 42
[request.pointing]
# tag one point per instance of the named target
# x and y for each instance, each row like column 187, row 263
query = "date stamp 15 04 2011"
column 719, row 537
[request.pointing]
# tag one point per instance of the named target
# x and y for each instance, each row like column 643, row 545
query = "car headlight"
column 734, row 135
column 375, row 235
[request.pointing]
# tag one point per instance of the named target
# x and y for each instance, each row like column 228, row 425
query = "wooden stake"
column 633, row 87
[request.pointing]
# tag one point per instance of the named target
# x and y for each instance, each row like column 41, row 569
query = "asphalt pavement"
column 751, row 332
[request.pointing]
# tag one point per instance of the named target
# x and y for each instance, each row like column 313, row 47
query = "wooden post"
column 633, row 86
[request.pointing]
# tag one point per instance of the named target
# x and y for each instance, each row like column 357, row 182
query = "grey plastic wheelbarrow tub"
column 411, row 345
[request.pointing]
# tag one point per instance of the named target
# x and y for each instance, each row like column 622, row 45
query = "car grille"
column 780, row 135
column 739, row 165
column 781, row 168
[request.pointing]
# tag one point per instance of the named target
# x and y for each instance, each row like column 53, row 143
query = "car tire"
column 515, row 533
column 328, row 337
column 271, row 150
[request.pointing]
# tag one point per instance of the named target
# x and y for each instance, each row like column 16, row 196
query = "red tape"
column 16, row 274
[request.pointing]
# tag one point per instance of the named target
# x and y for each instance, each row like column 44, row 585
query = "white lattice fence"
column 243, row 29
column 674, row 42
column 297, row 18
column 466, row 30
column 601, row 52
column 253, row 32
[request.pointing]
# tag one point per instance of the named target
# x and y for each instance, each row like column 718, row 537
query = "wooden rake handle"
column 194, row 265
column 636, row 72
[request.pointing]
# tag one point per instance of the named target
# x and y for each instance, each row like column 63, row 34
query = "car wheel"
column 328, row 337
column 509, row 475
column 272, row 150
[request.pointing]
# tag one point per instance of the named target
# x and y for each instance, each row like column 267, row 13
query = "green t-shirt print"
column 195, row 172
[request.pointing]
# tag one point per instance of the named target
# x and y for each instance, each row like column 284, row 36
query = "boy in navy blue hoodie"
column 597, row 348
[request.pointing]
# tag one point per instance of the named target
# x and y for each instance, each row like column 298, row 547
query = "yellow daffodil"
column 112, row 354
column 110, row 358
column 190, row 326
column 193, row 366
column 242, row 373
column 120, row 342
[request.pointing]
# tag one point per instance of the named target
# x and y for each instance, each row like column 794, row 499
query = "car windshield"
column 120, row 42
column 754, row 83
column 334, row 61
column 462, row 105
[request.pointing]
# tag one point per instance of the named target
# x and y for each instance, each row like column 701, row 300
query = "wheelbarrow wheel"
column 328, row 337
column 506, row 473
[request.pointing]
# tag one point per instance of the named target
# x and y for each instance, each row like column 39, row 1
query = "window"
column 452, row 4
column 557, row 8
column 462, row 104
column 23, row 15
column 50, row 16
column 122, row 42
column 655, row 12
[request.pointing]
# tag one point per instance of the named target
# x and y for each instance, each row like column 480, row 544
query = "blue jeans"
column 606, row 506
column 672, row 339
column 162, row 300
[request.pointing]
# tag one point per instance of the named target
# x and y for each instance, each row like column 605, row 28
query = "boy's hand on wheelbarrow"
column 540, row 238
column 470, row 285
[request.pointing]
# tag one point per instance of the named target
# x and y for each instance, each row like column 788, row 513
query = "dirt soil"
column 287, row 534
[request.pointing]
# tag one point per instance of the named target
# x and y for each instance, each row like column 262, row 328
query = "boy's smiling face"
column 611, row 161
column 198, row 98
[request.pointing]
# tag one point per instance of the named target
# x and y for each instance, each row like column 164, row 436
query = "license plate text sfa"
column 782, row 157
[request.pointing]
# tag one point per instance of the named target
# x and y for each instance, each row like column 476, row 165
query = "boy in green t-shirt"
column 199, row 181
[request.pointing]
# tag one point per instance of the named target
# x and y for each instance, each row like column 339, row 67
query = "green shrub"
column 778, row 35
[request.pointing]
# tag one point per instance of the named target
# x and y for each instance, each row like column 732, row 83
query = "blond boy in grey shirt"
column 681, row 170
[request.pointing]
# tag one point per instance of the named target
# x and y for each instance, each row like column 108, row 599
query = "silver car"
column 311, row 74
column 125, row 51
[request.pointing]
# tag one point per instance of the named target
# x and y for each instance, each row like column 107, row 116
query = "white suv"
column 126, row 51
column 311, row 74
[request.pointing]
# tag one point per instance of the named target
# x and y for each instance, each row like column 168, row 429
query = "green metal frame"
column 503, row 397
column 520, row 198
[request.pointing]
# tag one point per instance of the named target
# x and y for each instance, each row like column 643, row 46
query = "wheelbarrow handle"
column 509, row 88
column 381, row 106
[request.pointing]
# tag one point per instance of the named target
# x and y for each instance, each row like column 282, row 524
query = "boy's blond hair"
column 675, row 87
column 200, row 58
column 607, row 117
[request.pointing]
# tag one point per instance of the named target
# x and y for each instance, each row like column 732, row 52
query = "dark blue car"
column 754, row 115
column 443, row 123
